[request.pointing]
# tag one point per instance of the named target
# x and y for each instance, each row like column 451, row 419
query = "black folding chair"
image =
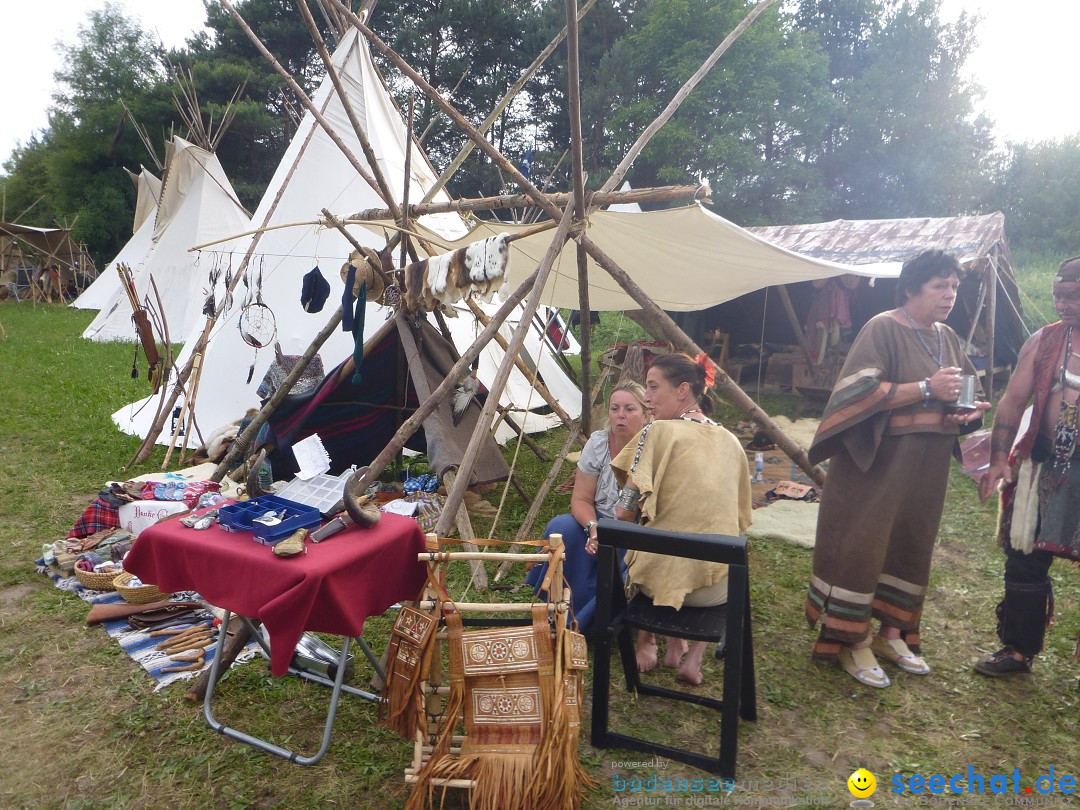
column 615, row 618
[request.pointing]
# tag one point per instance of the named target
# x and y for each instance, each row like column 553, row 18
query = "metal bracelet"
column 628, row 499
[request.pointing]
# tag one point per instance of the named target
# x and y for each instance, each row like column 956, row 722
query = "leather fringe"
column 401, row 706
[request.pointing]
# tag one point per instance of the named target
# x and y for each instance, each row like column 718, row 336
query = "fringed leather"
column 518, row 691
column 401, row 706
column 441, row 762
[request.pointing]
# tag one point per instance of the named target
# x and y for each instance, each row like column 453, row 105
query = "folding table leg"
column 292, row 756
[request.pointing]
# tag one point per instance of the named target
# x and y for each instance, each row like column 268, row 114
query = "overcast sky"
column 1023, row 60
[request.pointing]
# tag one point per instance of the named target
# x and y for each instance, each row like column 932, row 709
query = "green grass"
column 87, row 730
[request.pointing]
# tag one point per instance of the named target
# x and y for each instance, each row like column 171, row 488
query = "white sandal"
column 897, row 651
column 861, row 665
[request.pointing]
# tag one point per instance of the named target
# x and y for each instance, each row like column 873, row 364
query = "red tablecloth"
column 332, row 588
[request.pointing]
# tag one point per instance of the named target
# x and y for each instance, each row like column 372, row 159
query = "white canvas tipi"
column 197, row 204
column 314, row 174
column 103, row 293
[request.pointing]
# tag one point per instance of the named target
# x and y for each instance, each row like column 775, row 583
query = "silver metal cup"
column 966, row 400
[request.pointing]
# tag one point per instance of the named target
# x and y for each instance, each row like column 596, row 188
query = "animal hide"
column 219, row 441
column 441, row 281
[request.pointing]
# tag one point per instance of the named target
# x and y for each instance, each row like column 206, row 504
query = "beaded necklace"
column 940, row 340
column 1066, row 430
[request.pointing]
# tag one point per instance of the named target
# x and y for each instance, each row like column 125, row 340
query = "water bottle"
column 759, row 466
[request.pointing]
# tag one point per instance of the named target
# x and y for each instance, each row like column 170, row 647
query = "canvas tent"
column 988, row 308
column 25, row 250
column 197, row 204
column 104, row 292
column 314, row 174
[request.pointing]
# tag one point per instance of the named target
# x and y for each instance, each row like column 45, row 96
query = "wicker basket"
column 95, row 580
column 139, row 595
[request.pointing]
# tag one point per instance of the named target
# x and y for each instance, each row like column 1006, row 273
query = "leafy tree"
column 77, row 162
column 904, row 140
column 1038, row 188
column 750, row 126
column 472, row 51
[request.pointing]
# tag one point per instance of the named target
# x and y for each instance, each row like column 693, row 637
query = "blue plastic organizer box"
column 240, row 517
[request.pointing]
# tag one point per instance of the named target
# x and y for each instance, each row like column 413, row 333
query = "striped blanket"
column 140, row 646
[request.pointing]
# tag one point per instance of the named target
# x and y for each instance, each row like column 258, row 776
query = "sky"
column 1022, row 61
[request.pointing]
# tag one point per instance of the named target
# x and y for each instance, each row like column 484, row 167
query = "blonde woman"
column 594, row 496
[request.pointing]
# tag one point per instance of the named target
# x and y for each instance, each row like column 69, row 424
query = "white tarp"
column 685, row 259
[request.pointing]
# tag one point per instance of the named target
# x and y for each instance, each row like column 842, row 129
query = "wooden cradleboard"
column 517, row 692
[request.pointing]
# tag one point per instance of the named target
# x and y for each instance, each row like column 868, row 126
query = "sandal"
column 897, row 651
column 861, row 665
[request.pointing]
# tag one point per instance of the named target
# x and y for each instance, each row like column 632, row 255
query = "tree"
column 750, row 127
column 904, row 140
column 472, row 51
column 1038, row 189
column 76, row 165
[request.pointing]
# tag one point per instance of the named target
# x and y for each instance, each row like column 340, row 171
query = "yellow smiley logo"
column 862, row 784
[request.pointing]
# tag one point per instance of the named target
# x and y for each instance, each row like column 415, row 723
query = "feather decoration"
column 464, row 393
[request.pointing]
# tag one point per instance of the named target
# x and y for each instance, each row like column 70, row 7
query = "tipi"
column 197, row 204
column 314, row 174
column 103, row 293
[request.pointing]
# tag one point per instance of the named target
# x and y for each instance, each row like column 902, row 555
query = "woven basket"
column 95, row 580
column 139, row 595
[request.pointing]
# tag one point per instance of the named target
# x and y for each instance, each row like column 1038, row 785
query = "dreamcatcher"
column 257, row 324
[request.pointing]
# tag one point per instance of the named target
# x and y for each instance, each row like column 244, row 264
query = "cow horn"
column 361, row 508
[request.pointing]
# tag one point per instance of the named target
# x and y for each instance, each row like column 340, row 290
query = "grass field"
column 86, row 730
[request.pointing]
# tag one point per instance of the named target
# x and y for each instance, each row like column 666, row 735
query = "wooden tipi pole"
column 456, row 493
column 671, row 329
column 423, row 393
column 578, row 172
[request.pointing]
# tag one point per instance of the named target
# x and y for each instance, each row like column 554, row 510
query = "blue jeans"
column 579, row 569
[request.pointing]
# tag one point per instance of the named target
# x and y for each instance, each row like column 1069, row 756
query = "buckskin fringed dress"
column 885, row 490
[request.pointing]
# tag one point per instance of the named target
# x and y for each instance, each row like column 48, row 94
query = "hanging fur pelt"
column 441, row 281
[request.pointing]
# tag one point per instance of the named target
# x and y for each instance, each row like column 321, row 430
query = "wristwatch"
column 588, row 526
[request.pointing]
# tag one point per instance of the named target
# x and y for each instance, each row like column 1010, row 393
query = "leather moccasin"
column 897, row 651
column 861, row 665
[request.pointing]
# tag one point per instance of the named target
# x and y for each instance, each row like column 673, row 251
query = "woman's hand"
column 967, row 415
column 945, row 384
column 591, row 542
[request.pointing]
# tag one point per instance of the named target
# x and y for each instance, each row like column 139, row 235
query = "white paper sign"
column 311, row 456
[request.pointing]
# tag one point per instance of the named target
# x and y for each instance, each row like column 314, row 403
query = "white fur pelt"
column 441, row 281
column 799, row 430
column 218, row 441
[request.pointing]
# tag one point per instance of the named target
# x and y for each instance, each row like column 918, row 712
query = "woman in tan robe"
column 681, row 473
column 889, row 432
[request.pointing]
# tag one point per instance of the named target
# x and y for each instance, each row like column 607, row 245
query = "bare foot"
column 674, row 650
column 645, row 651
column 690, row 669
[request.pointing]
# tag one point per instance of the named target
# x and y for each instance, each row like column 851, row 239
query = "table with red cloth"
column 332, row 588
